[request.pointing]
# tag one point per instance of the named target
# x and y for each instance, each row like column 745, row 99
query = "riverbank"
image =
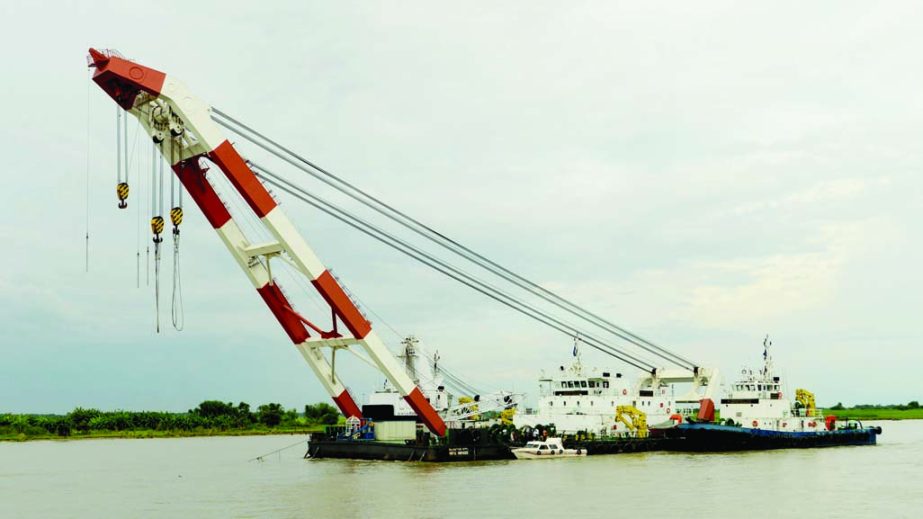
column 144, row 434
column 210, row 418
column 876, row 413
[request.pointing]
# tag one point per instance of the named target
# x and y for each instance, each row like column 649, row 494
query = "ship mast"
column 767, row 358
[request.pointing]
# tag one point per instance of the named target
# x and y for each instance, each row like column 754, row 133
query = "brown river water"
column 213, row 477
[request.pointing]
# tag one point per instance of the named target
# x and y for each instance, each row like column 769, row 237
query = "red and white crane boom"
column 181, row 124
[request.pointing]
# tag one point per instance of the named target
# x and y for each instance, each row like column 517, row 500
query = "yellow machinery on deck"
column 633, row 418
column 806, row 399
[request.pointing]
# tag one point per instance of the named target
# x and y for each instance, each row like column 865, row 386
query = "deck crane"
column 181, row 126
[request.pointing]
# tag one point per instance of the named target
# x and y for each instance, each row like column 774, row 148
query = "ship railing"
column 808, row 413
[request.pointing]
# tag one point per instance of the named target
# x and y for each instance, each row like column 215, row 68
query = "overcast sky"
column 702, row 173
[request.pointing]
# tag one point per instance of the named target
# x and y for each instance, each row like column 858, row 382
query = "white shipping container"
column 396, row 431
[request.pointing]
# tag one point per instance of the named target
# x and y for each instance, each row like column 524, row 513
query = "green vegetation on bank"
column 210, row 418
column 910, row 411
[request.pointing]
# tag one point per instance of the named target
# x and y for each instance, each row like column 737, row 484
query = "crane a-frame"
column 181, row 125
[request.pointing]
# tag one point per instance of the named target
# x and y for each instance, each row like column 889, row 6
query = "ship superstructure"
column 579, row 399
column 756, row 400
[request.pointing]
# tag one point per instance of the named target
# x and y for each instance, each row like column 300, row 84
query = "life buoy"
column 624, row 392
column 755, row 423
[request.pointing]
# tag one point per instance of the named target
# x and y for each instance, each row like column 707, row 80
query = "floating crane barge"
column 188, row 134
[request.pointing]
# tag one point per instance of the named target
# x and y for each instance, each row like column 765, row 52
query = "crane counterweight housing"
column 181, row 126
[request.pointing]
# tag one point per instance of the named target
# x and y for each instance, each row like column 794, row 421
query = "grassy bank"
column 151, row 433
column 876, row 413
column 210, row 418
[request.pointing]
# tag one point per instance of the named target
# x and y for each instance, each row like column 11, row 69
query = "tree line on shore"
column 209, row 415
column 913, row 404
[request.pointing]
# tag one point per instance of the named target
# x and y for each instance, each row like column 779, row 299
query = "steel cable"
column 447, row 269
column 442, row 240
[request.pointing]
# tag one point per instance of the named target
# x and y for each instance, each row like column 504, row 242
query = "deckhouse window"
column 605, row 383
column 583, row 383
column 592, row 383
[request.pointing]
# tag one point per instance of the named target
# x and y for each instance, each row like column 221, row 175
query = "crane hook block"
column 157, row 228
column 121, row 190
column 176, row 216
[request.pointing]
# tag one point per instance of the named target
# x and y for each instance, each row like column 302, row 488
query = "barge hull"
column 722, row 438
column 372, row 450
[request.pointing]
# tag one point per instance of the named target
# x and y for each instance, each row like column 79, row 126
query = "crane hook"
column 157, row 228
column 121, row 190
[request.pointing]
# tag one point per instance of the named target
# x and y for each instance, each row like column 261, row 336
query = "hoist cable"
column 147, row 249
column 157, row 284
column 160, row 190
column 157, row 228
column 448, row 270
column 125, row 143
column 154, row 157
column 118, row 144
column 177, row 302
column 89, row 144
column 135, row 157
column 440, row 239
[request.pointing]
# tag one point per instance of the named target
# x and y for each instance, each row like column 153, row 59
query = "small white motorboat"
column 550, row 448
